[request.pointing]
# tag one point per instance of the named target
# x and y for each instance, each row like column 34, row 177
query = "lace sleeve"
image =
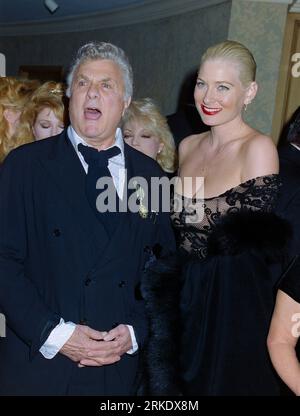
column 260, row 193
column 257, row 194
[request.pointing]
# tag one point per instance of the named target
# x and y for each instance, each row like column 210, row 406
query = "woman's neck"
column 222, row 134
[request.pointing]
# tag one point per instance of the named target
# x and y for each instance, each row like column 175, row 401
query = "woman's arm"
column 282, row 339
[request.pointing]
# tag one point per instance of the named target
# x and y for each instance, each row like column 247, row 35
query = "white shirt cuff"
column 57, row 338
column 135, row 346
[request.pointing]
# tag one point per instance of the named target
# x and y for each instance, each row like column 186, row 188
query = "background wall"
column 260, row 26
column 162, row 52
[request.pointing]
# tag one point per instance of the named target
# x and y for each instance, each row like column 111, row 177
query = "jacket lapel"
column 66, row 171
column 117, row 244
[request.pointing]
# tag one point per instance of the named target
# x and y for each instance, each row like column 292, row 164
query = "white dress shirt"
column 63, row 331
column 116, row 164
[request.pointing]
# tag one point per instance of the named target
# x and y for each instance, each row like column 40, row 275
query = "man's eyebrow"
column 81, row 76
column 107, row 79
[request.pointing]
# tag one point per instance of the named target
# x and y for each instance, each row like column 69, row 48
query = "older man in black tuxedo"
column 69, row 273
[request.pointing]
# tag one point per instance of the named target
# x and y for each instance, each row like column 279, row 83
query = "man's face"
column 97, row 101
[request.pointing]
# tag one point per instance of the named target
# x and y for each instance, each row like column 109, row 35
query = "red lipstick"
column 210, row 111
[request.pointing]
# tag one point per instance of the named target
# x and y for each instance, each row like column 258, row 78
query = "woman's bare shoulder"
column 259, row 144
column 188, row 143
column 260, row 155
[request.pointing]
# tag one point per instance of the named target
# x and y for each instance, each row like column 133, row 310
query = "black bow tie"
column 92, row 155
column 98, row 168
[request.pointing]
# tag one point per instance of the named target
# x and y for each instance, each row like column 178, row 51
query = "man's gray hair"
column 102, row 50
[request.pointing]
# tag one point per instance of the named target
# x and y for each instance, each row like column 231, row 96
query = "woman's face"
column 219, row 94
column 141, row 138
column 46, row 124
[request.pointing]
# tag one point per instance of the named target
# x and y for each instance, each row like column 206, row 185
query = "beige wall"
column 260, row 26
column 162, row 51
column 165, row 50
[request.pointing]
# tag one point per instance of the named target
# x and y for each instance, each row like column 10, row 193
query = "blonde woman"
column 215, row 343
column 14, row 95
column 146, row 129
column 44, row 116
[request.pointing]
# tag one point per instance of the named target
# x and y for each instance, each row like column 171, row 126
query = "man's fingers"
column 88, row 363
column 92, row 333
column 100, row 361
column 97, row 348
column 110, row 336
column 118, row 331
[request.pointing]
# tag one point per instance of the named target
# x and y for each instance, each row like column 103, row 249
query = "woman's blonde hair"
column 48, row 95
column 236, row 52
column 147, row 112
column 14, row 94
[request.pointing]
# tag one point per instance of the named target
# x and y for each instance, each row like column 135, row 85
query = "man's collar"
column 76, row 139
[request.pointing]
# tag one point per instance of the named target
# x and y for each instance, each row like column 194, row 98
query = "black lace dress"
column 228, row 292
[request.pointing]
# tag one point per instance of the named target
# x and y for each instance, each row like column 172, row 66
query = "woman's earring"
column 246, row 105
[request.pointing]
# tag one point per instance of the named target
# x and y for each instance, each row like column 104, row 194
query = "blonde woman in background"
column 211, row 340
column 44, row 116
column 146, row 129
column 14, row 95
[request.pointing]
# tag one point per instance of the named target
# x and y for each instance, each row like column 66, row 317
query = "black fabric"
column 226, row 314
column 199, row 217
column 92, row 155
column 184, row 122
column 288, row 205
column 225, row 307
column 56, row 259
column 290, row 281
column 98, row 168
column 160, row 287
column 240, row 231
column 226, row 296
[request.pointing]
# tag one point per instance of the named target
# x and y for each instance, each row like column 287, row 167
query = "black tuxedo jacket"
column 56, row 260
column 289, row 199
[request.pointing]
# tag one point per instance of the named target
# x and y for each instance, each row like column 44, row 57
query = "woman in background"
column 285, row 328
column 289, row 167
column 147, row 130
column 45, row 114
column 14, row 94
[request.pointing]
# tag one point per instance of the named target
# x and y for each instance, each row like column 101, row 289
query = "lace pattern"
column 195, row 220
